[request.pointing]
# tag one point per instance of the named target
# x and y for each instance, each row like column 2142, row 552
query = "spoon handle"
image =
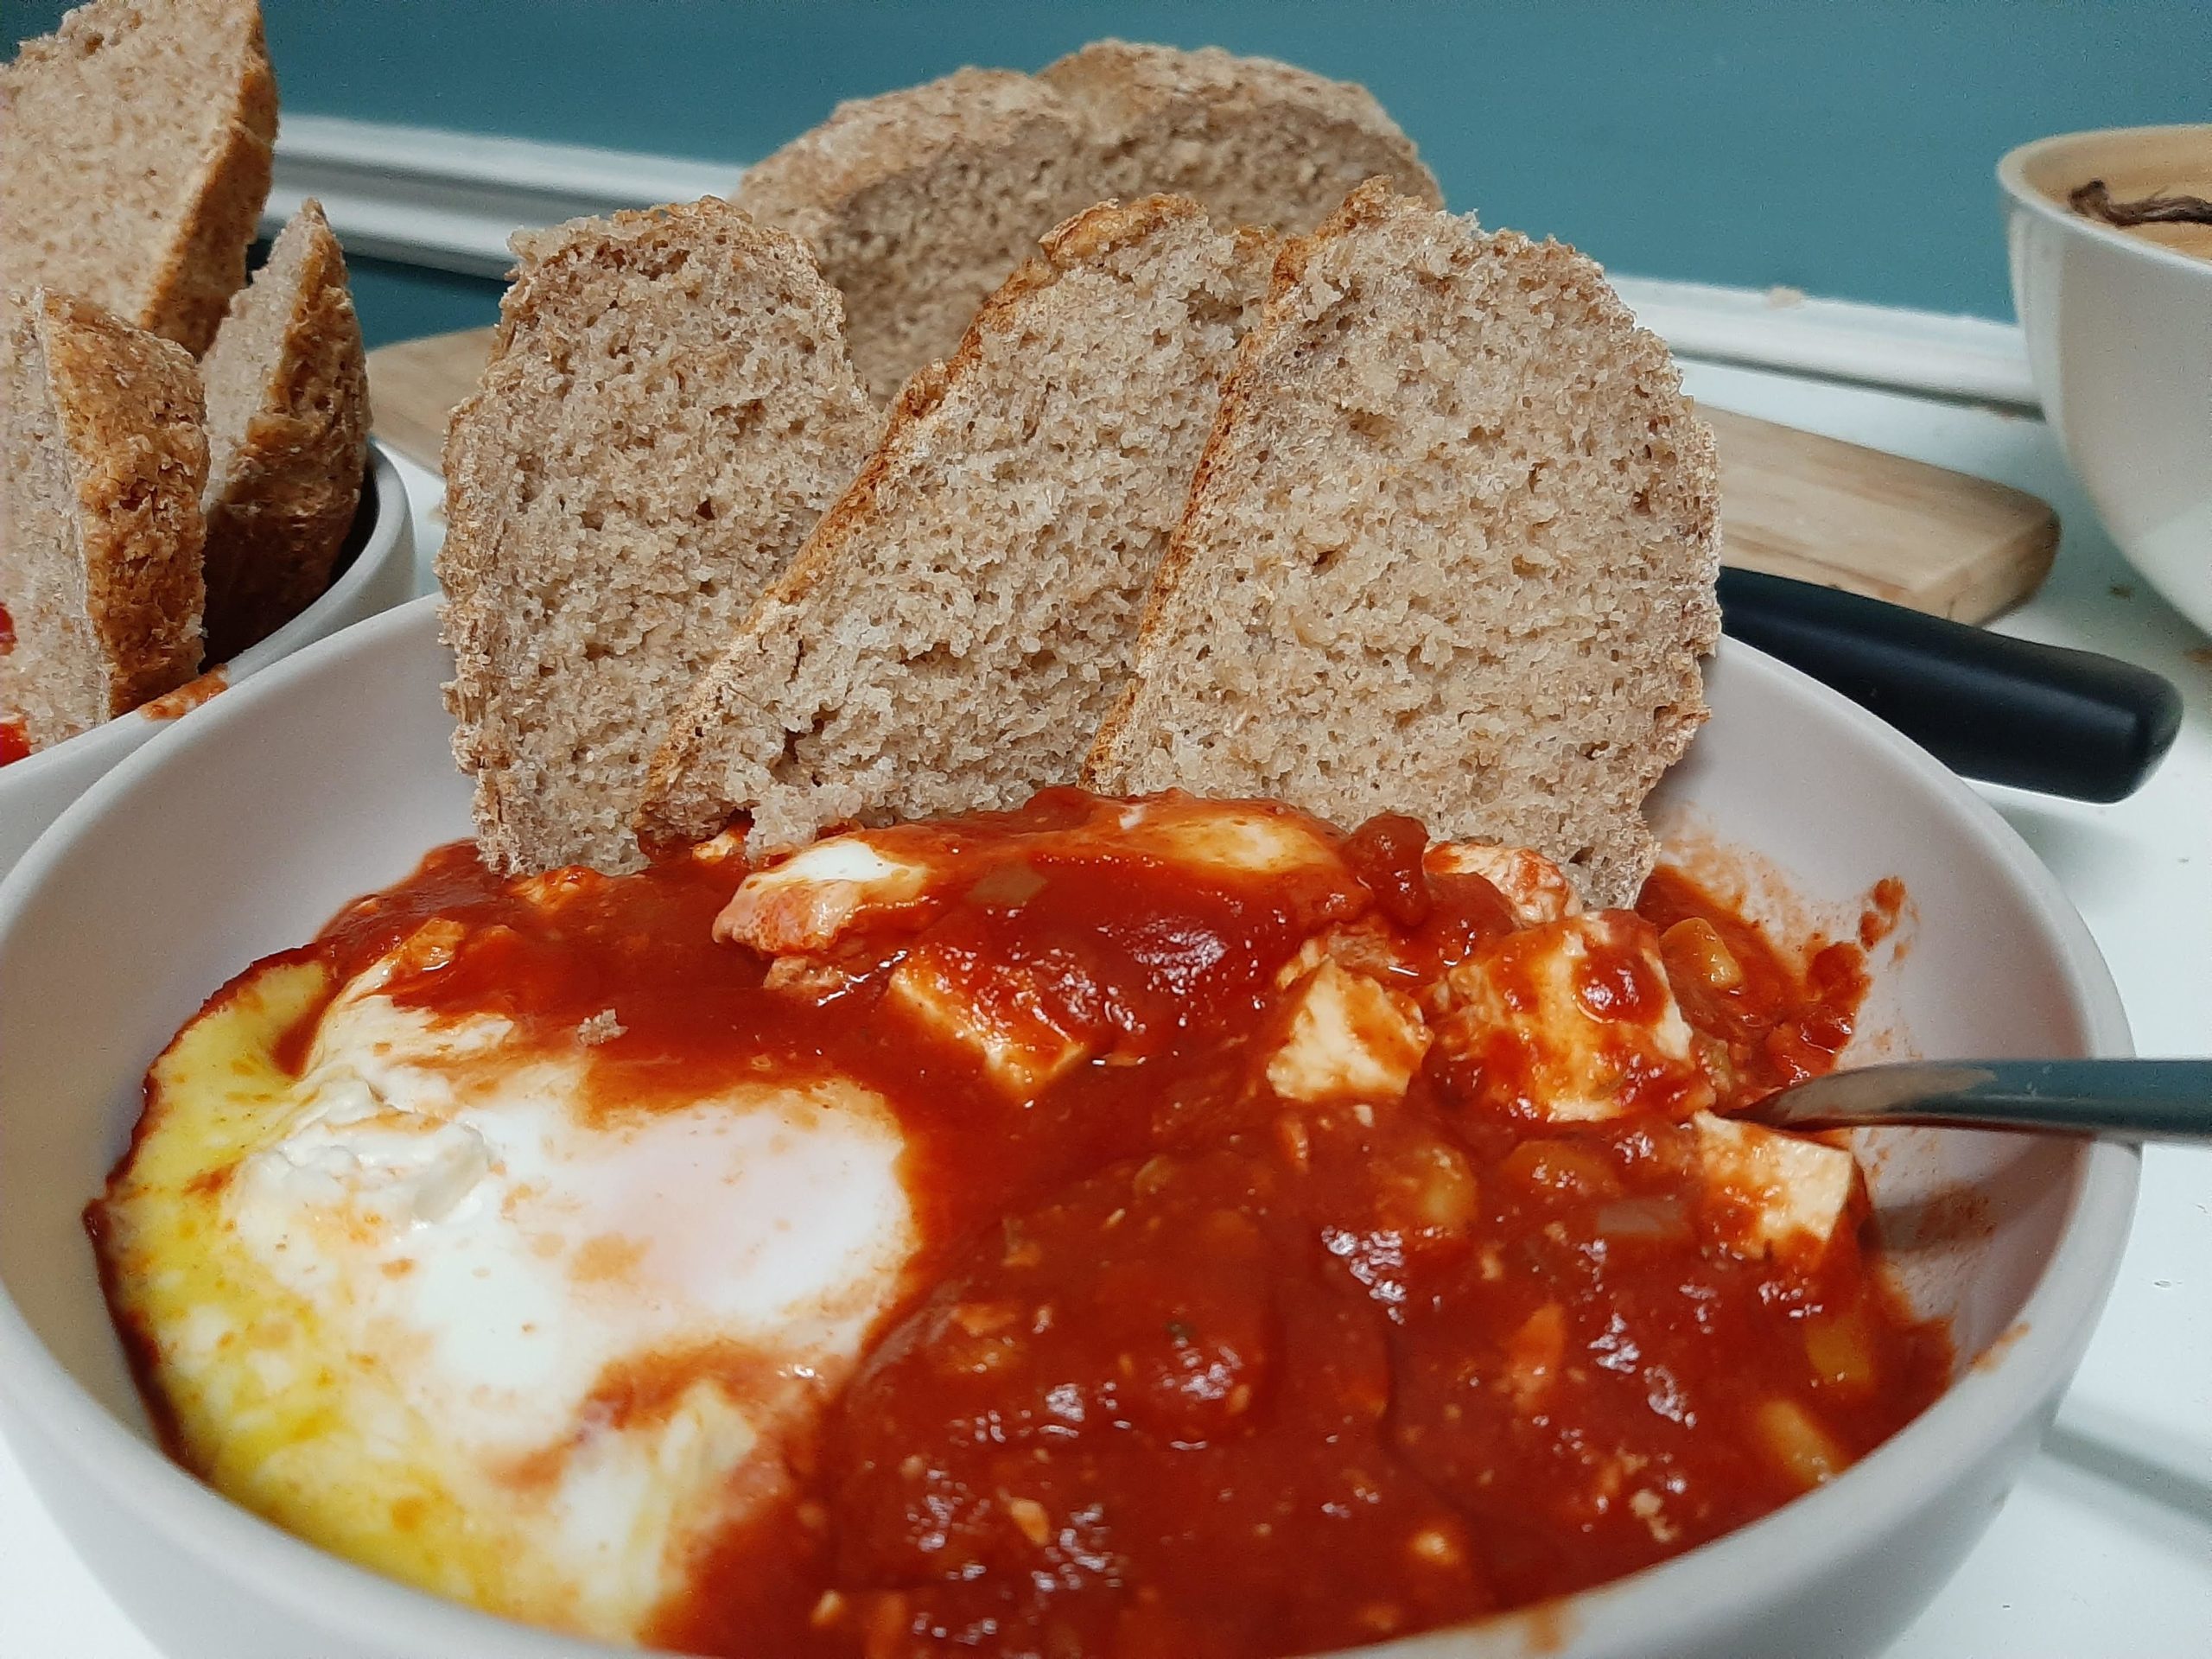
column 2127, row 1100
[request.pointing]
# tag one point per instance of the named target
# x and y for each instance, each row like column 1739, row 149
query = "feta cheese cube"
column 1769, row 1193
column 1535, row 887
column 805, row 903
column 1349, row 1039
column 1000, row 1011
column 1573, row 1021
column 1235, row 836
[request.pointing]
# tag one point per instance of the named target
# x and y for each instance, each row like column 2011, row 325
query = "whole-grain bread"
column 919, row 203
column 102, row 461
column 287, row 436
column 134, row 150
column 668, row 410
column 1258, row 142
column 1451, row 551
column 959, row 622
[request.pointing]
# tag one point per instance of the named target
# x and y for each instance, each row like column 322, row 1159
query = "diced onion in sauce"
column 1562, row 1166
column 1798, row 1446
column 1694, row 947
column 1840, row 1351
column 1653, row 1219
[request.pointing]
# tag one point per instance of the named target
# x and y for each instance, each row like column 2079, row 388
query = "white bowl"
column 238, row 837
column 2119, row 342
column 379, row 573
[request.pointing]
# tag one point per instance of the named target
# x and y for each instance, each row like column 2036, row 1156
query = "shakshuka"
column 1117, row 1228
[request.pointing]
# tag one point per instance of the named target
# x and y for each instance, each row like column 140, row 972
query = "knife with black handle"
column 2005, row 711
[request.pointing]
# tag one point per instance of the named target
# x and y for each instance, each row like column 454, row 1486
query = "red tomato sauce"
column 15, row 745
column 175, row 705
column 1187, row 1369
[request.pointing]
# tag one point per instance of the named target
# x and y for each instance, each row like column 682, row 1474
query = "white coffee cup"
column 2120, row 339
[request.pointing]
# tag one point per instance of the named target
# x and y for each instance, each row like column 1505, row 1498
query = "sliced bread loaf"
column 134, row 148
column 1451, row 551
column 102, row 460
column 668, row 410
column 919, row 202
column 287, row 436
column 959, row 622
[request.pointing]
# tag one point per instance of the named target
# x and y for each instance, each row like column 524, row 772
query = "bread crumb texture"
column 919, row 202
column 1451, row 549
column 668, row 410
column 959, row 622
column 102, row 461
column 287, row 436
column 134, row 150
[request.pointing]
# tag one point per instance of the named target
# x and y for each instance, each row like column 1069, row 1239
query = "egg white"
column 429, row 1306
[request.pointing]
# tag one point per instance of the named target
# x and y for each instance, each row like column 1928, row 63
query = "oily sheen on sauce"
column 1181, row 1367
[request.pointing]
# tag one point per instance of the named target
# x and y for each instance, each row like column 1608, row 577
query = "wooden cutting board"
column 1792, row 503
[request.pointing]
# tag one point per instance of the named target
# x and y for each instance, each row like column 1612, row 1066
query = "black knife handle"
column 2006, row 710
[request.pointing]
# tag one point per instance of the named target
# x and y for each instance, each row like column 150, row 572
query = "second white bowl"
column 2119, row 340
column 379, row 574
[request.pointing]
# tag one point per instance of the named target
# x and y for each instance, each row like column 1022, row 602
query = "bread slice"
column 1258, row 142
column 1451, row 552
column 287, row 436
column 134, row 148
column 959, row 622
column 668, row 410
column 102, row 460
column 919, row 202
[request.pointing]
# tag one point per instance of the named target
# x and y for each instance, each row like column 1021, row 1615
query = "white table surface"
column 2106, row 1545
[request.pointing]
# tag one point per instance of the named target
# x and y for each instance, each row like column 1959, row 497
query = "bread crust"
column 278, row 515
column 971, row 113
column 583, row 599
column 1087, row 237
column 121, row 624
column 191, row 289
column 919, row 202
column 1127, row 87
column 180, row 285
column 687, row 794
column 1152, row 738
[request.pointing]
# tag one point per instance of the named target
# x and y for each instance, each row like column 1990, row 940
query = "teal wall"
column 400, row 301
column 1842, row 147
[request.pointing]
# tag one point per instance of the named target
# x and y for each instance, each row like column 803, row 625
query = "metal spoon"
column 2124, row 1100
